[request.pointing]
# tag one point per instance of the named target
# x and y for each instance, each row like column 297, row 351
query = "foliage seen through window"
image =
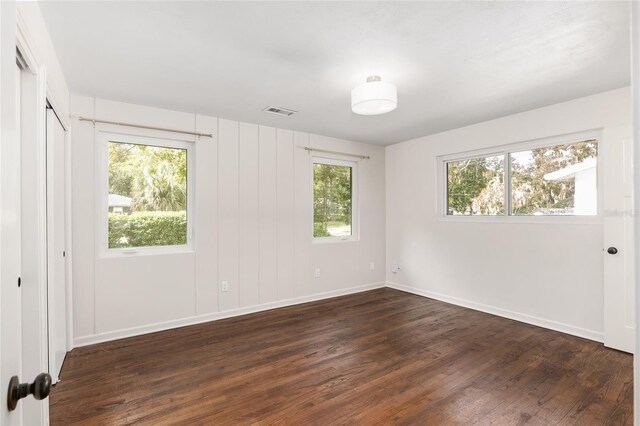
column 552, row 180
column 332, row 200
column 147, row 195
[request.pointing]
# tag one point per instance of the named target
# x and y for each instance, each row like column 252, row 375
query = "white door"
column 10, row 238
column 56, row 277
column 618, row 250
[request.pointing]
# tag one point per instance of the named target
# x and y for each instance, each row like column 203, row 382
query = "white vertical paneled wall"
column 268, row 202
column 136, row 290
column 284, row 221
column 206, row 221
column 228, row 217
column 84, row 213
column 249, row 181
column 302, row 211
column 252, row 223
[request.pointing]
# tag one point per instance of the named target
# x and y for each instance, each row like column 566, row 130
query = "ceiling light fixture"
column 374, row 97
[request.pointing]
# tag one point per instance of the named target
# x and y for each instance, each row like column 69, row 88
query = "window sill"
column 538, row 220
column 146, row 251
column 330, row 240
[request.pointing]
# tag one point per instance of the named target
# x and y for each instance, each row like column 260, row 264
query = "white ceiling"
column 455, row 63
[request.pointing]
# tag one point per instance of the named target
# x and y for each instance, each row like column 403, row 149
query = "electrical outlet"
column 372, row 266
column 395, row 267
column 224, row 286
column 317, row 272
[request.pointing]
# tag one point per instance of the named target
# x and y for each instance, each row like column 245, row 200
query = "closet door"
column 56, row 281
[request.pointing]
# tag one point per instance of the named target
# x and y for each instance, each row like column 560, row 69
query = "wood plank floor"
column 380, row 357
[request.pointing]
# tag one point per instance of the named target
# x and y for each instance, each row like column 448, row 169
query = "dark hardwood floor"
column 380, row 357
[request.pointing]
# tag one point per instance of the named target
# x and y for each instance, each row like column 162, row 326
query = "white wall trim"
column 355, row 212
column 635, row 84
column 167, row 325
column 505, row 151
column 68, row 189
column 505, row 313
column 32, row 39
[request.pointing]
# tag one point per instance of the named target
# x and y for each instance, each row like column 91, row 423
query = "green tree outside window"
column 152, row 181
column 332, row 194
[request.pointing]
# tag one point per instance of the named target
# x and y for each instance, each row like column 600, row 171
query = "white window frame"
column 505, row 150
column 102, row 231
column 355, row 211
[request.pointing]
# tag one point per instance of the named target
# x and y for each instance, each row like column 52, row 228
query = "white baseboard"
column 529, row 319
column 151, row 328
column 167, row 325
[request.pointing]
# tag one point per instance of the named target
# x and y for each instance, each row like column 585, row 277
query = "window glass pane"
column 332, row 186
column 476, row 186
column 147, row 195
column 555, row 180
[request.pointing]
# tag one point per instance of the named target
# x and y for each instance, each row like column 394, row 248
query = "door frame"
column 35, row 243
column 49, row 89
column 34, row 248
column 50, row 234
column 10, row 270
column 68, row 233
column 635, row 86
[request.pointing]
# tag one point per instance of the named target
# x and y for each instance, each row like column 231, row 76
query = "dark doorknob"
column 40, row 389
column 612, row 250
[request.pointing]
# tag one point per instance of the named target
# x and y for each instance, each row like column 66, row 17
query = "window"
column 524, row 180
column 476, row 186
column 147, row 196
column 555, row 180
column 334, row 201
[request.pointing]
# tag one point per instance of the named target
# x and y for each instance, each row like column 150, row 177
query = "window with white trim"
column 557, row 179
column 334, row 199
column 475, row 186
column 147, row 201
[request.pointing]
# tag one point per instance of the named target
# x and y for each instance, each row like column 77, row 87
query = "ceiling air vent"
column 279, row 111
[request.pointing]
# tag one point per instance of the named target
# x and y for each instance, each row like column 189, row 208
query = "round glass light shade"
column 373, row 98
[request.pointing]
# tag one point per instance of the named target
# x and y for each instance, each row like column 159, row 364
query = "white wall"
column 252, row 224
column 545, row 274
column 36, row 46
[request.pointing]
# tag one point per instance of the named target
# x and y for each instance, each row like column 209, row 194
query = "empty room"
column 319, row 212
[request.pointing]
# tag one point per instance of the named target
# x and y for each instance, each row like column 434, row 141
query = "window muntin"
column 333, row 199
column 544, row 180
column 475, row 186
column 555, row 180
column 147, row 194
